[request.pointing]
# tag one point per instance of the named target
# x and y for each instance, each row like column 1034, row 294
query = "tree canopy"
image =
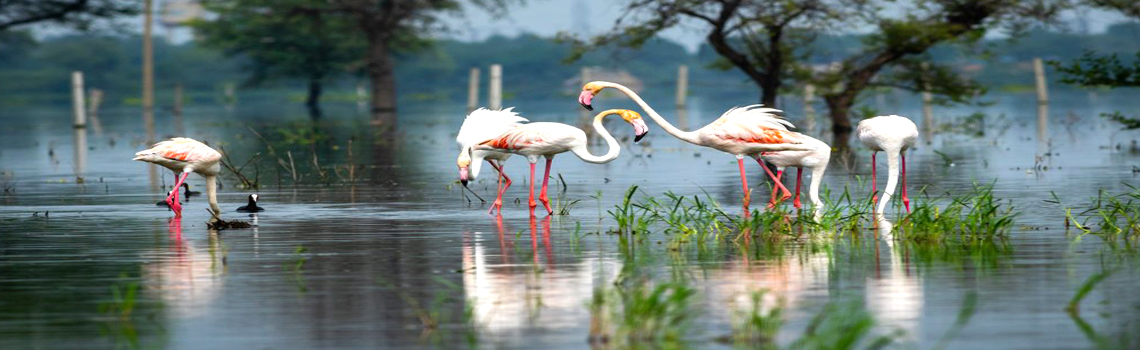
column 77, row 13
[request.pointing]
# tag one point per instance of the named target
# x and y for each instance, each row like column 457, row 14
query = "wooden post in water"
column 148, row 66
column 809, row 108
column 495, row 92
column 682, row 85
column 473, row 89
column 94, row 100
column 231, row 93
column 1039, row 74
column 927, row 108
column 177, row 109
column 77, row 100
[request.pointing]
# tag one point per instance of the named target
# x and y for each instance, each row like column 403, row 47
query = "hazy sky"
column 548, row 17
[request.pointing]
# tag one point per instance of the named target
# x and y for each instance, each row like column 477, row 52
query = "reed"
column 1113, row 218
column 973, row 217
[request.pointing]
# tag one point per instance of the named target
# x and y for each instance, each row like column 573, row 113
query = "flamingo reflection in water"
column 186, row 278
column 508, row 295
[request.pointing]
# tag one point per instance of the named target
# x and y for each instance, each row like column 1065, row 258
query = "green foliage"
column 970, row 218
column 283, row 39
column 1113, row 218
column 756, row 328
column 841, row 325
column 80, row 14
column 1092, row 69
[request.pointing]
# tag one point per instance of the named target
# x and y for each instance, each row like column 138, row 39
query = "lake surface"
column 360, row 263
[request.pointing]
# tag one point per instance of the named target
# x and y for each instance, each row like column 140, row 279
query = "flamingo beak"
column 463, row 176
column 639, row 129
column 585, row 99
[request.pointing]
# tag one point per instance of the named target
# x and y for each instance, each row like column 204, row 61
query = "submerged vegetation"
column 1113, row 218
column 971, row 218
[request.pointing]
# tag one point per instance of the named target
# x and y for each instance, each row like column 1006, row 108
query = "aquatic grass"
column 972, row 217
column 842, row 325
column 300, row 257
column 756, row 328
column 1074, row 305
column 641, row 314
column 1113, row 218
column 562, row 205
column 122, row 310
column 631, row 217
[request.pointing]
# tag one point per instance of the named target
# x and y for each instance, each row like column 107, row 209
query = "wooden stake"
column 495, row 93
column 77, row 100
column 473, row 89
column 682, row 85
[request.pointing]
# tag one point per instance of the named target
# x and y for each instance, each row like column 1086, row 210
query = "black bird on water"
column 163, row 203
column 251, row 207
column 188, row 192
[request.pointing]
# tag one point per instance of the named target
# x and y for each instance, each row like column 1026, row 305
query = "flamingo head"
column 589, row 90
column 464, row 162
column 633, row 118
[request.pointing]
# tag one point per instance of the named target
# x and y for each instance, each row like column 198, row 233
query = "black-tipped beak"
column 464, row 182
column 638, row 137
column 586, row 106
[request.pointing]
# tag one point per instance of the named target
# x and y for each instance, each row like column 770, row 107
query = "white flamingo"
column 816, row 160
column 892, row 134
column 185, row 156
column 535, row 140
column 480, row 125
column 744, row 131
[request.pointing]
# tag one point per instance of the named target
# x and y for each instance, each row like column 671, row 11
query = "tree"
column 77, row 13
column 284, row 39
column 901, row 42
column 388, row 25
column 1106, row 70
column 758, row 37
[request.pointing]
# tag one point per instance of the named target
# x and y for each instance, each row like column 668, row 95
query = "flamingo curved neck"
column 212, row 194
column 614, row 147
column 816, row 178
column 687, row 136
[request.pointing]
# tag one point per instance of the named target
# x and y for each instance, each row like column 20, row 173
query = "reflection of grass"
column 638, row 313
column 435, row 314
column 1083, row 291
column 755, row 328
column 295, row 267
column 1113, row 218
column 121, row 311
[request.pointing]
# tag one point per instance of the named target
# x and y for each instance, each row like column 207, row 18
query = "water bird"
column 251, row 205
column 741, row 131
column 187, row 192
column 186, row 156
column 480, row 125
column 816, row 160
column 892, row 134
column 536, row 140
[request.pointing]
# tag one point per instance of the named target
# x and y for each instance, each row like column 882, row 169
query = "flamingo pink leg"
column 799, row 179
column 787, row 194
column 545, row 178
column 744, row 182
column 499, row 189
column 775, row 190
column 905, row 199
column 172, row 199
column 873, row 187
column 532, row 203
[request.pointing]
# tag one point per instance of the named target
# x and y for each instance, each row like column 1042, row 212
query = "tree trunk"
column 314, row 99
column 839, row 109
column 769, row 90
column 381, row 75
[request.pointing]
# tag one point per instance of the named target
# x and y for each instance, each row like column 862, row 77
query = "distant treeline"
column 34, row 72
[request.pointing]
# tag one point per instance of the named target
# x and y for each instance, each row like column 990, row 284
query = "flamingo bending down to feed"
column 816, row 160
column 549, row 139
column 185, row 155
column 892, row 134
column 742, row 131
column 480, row 125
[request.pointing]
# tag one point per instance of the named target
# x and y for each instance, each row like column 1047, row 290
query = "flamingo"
column 816, row 160
column 741, row 131
column 892, row 134
column 535, row 140
column 185, row 155
column 480, row 125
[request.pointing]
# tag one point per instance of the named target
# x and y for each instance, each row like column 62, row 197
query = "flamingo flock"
column 493, row 136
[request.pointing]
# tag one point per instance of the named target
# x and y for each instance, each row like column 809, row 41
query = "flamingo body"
column 185, row 155
column 534, row 140
column 816, row 160
column 895, row 135
column 742, row 131
column 480, row 125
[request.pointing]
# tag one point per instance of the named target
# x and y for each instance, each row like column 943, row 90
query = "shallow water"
column 352, row 266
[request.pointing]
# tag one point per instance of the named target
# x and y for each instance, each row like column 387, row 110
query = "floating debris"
column 220, row 224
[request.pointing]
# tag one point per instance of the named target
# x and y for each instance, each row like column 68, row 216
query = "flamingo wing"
column 179, row 149
column 484, row 124
column 755, row 115
column 527, row 137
